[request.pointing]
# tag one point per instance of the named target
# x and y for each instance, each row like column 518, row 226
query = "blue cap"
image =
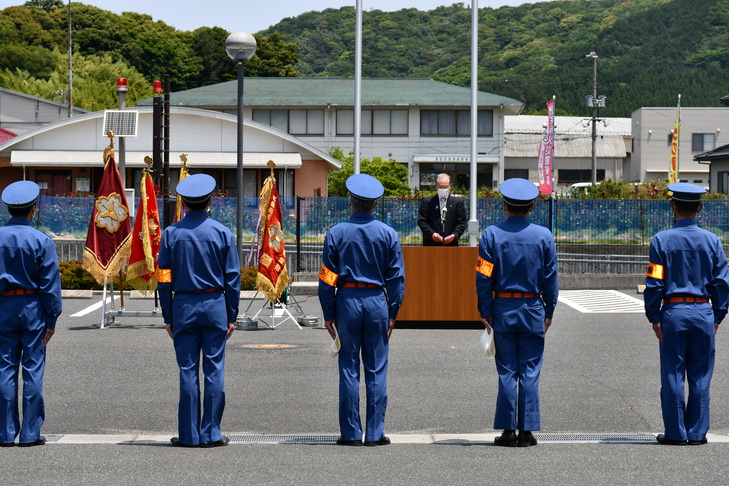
column 519, row 192
column 21, row 194
column 366, row 187
column 684, row 191
column 196, row 188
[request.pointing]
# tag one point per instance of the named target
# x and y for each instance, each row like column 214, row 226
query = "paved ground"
column 111, row 407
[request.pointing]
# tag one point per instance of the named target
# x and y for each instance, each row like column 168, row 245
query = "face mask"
column 443, row 193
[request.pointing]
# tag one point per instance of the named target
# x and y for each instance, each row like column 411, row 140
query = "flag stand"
column 279, row 309
column 108, row 316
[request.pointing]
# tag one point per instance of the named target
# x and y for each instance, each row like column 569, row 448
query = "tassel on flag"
column 181, row 209
column 141, row 272
column 546, row 154
column 108, row 239
column 273, row 277
column 673, row 163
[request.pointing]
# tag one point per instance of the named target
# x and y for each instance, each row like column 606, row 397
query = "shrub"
column 248, row 278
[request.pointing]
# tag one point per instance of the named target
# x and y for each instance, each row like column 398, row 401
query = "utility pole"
column 594, row 102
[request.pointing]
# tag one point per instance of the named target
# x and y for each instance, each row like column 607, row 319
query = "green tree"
column 46, row 5
column 390, row 173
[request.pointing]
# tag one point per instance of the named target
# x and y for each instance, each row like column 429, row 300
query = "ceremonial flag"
column 546, row 154
column 108, row 239
column 273, row 276
column 180, row 209
column 673, row 164
column 145, row 239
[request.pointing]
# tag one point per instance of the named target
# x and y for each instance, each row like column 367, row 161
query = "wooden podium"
column 440, row 284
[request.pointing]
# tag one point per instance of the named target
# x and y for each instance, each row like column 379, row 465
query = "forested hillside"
column 649, row 51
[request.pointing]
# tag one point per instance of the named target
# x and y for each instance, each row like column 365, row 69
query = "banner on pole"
column 273, row 277
column 546, row 154
column 141, row 272
column 673, row 163
column 108, row 239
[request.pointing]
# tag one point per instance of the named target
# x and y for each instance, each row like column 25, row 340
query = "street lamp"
column 240, row 47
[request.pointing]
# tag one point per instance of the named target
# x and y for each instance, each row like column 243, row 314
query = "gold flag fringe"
column 115, row 265
column 273, row 292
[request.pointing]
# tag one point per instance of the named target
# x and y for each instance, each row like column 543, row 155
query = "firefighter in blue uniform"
column 199, row 288
column 516, row 283
column 686, row 294
column 30, row 303
column 361, row 287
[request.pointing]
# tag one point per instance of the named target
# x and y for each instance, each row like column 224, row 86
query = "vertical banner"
column 673, row 163
column 273, row 277
column 546, row 154
column 108, row 239
column 141, row 272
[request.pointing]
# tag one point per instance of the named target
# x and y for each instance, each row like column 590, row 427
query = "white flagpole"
column 357, row 85
column 473, row 235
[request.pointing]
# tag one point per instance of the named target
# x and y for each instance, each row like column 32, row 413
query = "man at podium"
column 442, row 218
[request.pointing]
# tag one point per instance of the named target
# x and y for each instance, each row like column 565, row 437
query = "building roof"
column 721, row 152
column 573, row 136
column 336, row 92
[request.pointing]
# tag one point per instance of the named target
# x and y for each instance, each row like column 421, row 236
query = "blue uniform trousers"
column 200, row 325
column 362, row 322
column 519, row 337
column 687, row 353
column 22, row 329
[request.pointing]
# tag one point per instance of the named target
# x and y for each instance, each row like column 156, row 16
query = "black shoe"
column 697, row 441
column 661, row 439
column 384, row 441
column 175, row 441
column 223, row 441
column 7, row 444
column 526, row 439
column 38, row 442
column 506, row 439
column 343, row 442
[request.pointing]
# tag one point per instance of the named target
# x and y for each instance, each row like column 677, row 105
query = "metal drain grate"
column 601, row 438
column 284, row 439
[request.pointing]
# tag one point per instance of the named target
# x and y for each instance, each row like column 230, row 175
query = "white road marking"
column 601, row 301
column 93, row 307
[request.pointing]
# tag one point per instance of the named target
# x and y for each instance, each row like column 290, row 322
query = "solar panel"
column 122, row 122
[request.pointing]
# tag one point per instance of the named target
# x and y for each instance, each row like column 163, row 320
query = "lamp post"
column 240, row 47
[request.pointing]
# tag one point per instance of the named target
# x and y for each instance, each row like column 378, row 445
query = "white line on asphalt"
column 486, row 438
column 93, row 307
column 601, row 301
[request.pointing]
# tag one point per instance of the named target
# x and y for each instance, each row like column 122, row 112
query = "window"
column 295, row 122
column 701, row 142
column 513, row 173
column 565, row 176
column 722, row 182
column 455, row 122
column 374, row 122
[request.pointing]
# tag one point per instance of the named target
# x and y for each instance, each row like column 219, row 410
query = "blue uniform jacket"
column 686, row 261
column 201, row 255
column 29, row 261
column 517, row 256
column 363, row 250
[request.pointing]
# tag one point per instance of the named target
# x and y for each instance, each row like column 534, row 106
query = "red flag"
column 107, row 241
column 273, row 276
column 546, row 154
column 145, row 239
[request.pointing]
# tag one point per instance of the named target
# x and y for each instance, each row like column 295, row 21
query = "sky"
column 235, row 15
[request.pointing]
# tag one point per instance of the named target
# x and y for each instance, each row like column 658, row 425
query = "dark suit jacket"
column 429, row 219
